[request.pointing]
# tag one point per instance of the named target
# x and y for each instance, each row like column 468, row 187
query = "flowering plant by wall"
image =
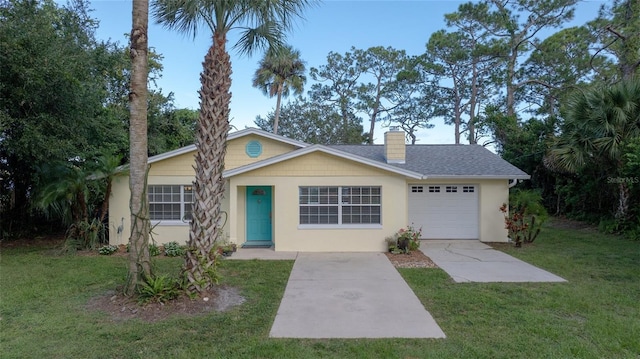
column 405, row 240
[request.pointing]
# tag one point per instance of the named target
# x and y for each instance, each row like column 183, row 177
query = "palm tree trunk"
column 276, row 117
column 623, row 201
column 104, row 209
column 139, row 263
column 211, row 139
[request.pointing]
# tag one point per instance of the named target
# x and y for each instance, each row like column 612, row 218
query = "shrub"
column 405, row 240
column 107, row 250
column 158, row 289
column 87, row 234
column 173, row 249
column 525, row 217
column 154, row 250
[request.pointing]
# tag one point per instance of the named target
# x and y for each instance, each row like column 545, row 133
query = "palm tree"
column 280, row 71
column 139, row 260
column 262, row 24
column 599, row 125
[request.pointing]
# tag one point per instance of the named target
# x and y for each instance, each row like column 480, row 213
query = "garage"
column 444, row 211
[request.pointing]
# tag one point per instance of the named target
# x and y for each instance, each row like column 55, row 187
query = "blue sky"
column 331, row 26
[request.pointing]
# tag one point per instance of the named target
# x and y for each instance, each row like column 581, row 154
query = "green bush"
column 154, row 250
column 107, row 250
column 173, row 249
column 158, row 289
column 524, row 216
column 405, row 240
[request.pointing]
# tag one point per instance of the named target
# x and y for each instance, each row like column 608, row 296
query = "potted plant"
column 226, row 249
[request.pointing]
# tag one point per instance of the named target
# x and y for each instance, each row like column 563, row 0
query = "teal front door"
column 258, row 213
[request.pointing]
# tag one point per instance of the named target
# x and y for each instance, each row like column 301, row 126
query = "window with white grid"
column 170, row 202
column 340, row 205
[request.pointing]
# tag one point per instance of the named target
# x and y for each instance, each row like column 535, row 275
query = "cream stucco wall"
column 179, row 170
column 320, row 169
column 119, row 214
column 313, row 169
column 237, row 156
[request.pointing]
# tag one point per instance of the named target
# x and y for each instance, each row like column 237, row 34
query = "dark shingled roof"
column 442, row 160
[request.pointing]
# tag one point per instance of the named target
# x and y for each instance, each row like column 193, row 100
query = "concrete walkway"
column 261, row 253
column 350, row 295
column 474, row 261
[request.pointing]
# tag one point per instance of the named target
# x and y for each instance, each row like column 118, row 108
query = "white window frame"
column 182, row 220
column 341, row 203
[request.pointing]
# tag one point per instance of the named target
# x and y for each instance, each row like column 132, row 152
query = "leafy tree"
column 412, row 93
column 169, row 128
column 617, row 30
column 382, row 65
column 483, row 63
column 557, row 65
column 53, row 76
column 338, row 86
column 518, row 23
column 77, row 194
column 448, row 60
column 600, row 125
column 263, row 23
column 313, row 122
column 280, row 71
column 139, row 257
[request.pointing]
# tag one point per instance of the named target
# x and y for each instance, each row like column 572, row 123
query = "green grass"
column 595, row 315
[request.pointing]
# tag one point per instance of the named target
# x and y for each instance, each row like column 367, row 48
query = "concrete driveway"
column 474, row 261
column 350, row 295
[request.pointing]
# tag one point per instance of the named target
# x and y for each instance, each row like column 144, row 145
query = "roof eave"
column 323, row 149
column 231, row 136
column 487, row 177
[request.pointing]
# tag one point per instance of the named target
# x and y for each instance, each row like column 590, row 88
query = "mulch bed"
column 415, row 259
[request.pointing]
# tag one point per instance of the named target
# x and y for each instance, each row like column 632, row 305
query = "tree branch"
column 611, row 30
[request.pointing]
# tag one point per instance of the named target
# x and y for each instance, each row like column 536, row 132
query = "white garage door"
column 444, row 211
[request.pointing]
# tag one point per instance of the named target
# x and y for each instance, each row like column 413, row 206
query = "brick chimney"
column 394, row 147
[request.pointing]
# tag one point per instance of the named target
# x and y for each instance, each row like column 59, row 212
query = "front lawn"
column 596, row 314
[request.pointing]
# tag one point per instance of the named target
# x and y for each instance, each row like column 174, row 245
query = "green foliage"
column 525, row 216
column 64, row 100
column 85, row 235
column 173, row 249
column 599, row 143
column 159, row 289
column 617, row 32
column 154, row 250
column 169, row 128
column 404, row 240
column 107, row 250
column 311, row 122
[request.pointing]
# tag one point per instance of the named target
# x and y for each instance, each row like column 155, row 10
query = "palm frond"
column 266, row 35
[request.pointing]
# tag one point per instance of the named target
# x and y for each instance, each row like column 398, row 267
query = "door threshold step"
column 257, row 244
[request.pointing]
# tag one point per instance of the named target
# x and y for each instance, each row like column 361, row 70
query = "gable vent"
column 253, row 149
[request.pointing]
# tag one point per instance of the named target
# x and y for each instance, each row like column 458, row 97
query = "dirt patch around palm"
column 121, row 308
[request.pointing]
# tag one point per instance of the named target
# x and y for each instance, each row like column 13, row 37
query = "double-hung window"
column 336, row 205
column 170, row 202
